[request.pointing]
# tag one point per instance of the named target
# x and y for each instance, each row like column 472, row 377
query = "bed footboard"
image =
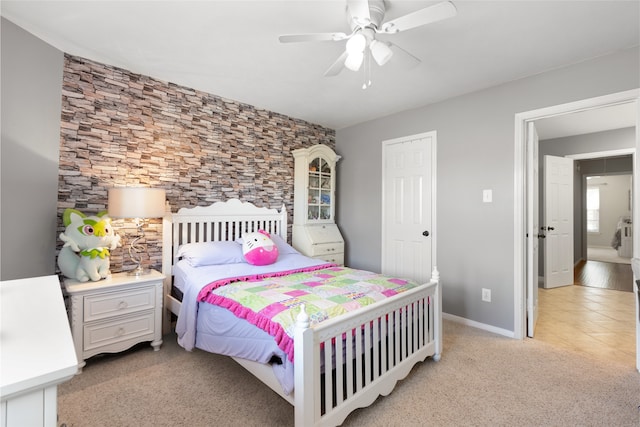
column 346, row 363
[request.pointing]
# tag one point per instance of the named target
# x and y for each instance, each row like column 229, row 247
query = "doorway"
column 594, row 314
column 607, row 207
column 522, row 244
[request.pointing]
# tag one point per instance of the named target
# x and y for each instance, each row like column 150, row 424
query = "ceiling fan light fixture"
column 356, row 44
column 354, row 61
column 380, row 51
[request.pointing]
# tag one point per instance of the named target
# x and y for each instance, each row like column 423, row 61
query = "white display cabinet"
column 315, row 232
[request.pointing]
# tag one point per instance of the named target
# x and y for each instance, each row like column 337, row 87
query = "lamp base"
column 139, row 272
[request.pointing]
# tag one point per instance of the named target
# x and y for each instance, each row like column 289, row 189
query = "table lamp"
column 139, row 203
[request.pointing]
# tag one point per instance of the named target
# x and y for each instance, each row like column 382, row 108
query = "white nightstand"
column 111, row 315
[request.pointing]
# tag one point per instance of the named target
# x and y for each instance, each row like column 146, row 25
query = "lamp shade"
column 136, row 202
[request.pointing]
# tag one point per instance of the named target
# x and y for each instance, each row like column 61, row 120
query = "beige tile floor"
column 593, row 321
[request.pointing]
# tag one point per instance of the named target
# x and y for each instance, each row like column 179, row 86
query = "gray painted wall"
column 580, row 144
column 475, row 138
column 31, row 91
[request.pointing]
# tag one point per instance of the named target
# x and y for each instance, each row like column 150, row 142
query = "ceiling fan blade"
column 398, row 51
column 430, row 14
column 315, row 37
column 359, row 11
column 337, row 66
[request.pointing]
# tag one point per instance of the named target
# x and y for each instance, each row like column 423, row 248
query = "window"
column 593, row 209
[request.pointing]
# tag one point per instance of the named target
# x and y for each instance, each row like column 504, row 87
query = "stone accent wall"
column 120, row 128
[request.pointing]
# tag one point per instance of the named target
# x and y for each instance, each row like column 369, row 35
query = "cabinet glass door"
column 319, row 197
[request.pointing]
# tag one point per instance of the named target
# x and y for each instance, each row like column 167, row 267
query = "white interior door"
column 408, row 207
column 533, row 228
column 558, row 221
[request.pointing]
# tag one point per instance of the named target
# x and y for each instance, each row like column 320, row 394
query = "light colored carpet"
column 482, row 380
column 599, row 253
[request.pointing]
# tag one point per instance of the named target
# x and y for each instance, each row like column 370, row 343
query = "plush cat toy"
column 259, row 249
column 87, row 241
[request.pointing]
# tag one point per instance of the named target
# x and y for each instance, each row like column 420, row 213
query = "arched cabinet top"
column 318, row 150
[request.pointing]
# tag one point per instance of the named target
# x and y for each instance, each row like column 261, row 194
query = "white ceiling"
column 231, row 48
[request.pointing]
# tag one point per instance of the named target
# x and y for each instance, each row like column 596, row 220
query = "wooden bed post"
column 284, row 231
column 435, row 276
column 167, row 263
column 303, row 368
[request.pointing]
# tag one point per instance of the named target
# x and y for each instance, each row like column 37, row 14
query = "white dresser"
column 36, row 351
column 315, row 232
column 111, row 315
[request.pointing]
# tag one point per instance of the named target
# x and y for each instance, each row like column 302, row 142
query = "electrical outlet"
column 486, row 295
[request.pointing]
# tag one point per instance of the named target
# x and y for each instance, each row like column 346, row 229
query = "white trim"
column 521, row 119
column 599, row 154
column 478, row 325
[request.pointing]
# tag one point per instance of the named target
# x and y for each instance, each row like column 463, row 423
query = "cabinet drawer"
column 104, row 334
column 334, row 258
column 103, row 306
column 326, row 249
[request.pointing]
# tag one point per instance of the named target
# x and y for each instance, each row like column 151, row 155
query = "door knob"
column 425, row 233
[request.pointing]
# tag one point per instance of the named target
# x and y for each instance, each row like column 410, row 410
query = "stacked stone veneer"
column 120, row 128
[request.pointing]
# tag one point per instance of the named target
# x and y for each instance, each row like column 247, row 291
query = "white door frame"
column 520, row 190
column 598, row 155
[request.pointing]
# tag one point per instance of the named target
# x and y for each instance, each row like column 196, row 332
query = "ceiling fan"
column 365, row 18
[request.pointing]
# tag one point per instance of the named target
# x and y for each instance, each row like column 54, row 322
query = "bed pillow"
column 211, row 253
column 259, row 249
column 283, row 247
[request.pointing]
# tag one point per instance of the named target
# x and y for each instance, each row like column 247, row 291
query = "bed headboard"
column 217, row 222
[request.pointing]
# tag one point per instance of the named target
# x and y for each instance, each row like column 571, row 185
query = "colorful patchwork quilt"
column 272, row 301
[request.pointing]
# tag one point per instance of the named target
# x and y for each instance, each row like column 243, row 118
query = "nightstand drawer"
column 326, row 249
column 103, row 334
column 103, row 306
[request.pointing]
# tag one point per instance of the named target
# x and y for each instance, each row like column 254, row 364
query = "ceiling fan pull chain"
column 369, row 69
column 366, row 72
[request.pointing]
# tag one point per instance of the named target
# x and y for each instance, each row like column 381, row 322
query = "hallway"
column 593, row 321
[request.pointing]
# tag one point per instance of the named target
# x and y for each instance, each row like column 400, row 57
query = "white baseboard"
column 483, row 326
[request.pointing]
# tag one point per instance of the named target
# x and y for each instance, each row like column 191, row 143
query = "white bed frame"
column 382, row 341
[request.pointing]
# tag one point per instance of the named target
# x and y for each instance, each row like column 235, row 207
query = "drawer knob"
column 120, row 332
column 122, row 305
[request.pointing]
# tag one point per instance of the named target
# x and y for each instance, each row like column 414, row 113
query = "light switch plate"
column 487, row 196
